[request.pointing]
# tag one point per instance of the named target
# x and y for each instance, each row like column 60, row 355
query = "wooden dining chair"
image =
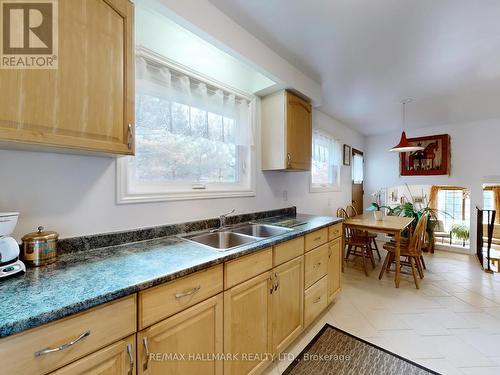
column 357, row 243
column 411, row 250
column 351, row 212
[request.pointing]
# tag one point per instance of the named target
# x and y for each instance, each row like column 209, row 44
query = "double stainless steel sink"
column 229, row 238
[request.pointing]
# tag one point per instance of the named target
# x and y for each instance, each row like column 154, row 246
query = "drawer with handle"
column 316, row 265
column 334, row 231
column 288, row 250
column 117, row 358
column 165, row 300
column 238, row 270
column 315, row 300
column 49, row 347
column 316, row 238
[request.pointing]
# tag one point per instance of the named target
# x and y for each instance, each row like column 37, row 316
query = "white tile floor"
column 451, row 325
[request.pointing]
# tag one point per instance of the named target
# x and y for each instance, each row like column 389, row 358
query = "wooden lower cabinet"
column 315, row 300
column 334, row 268
column 247, row 325
column 287, row 303
column 29, row 352
column 234, row 332
column 183, row 343
column 115, row 359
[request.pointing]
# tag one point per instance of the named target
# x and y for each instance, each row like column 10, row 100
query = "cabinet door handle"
column 129, row 137
column 271, row 279
column 317, row 299
column 317, row 238
column 288, row 160
column 276, row 282
column 63, row 346
column 330, row 253
column 316, row 265
column 130, row 359
column 146, row 349
column 188, row 293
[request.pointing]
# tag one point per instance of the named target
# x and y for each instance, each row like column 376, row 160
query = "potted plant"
column 376, row 207
column 416, row 210
column 460, row 231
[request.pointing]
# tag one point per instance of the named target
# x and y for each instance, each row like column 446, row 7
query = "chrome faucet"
column 222, row 218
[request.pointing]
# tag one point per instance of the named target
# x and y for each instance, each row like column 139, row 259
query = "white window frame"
column 325, row 188
column 126, row 192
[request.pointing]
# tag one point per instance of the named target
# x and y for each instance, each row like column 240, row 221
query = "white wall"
column 160, row 34
column 75, row 194
column 297, row 183
column 475, row 155
column 204, row 19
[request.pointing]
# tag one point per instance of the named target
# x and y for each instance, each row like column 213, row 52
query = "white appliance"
column 10, row 264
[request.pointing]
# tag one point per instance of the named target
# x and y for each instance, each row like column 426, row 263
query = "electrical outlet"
column 285, row 195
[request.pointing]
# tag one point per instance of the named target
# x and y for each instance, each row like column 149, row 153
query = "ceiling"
column 369, row 55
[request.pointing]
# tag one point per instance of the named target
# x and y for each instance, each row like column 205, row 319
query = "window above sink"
column 195, row 115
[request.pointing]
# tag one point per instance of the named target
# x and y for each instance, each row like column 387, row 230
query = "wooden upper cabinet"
column 298, row 133
column 286, row 132
column 87, row 103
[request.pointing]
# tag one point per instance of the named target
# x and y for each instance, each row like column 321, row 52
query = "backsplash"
column 75, row 244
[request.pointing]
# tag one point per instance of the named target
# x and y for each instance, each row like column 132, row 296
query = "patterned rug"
column 335, row 352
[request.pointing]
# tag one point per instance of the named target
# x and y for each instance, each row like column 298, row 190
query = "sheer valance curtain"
column 326, row 160
column 326, row 149
column 156, row 79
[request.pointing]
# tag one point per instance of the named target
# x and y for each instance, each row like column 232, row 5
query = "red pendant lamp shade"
column 405, row 146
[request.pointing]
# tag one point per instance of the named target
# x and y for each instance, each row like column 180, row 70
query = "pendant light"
column 404, row 145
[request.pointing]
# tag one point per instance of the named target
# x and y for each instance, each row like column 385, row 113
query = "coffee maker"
column 10, row 265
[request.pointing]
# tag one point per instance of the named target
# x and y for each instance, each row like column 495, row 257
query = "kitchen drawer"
column 334, row 231
column 105, row 324
column 316, row 265
column 316, row 238
column 114, row 359
column 244, row 268
column 288, row 250
column 165, row 300
column 315, row 301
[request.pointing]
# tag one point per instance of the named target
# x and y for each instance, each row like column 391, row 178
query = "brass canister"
column 39, row 248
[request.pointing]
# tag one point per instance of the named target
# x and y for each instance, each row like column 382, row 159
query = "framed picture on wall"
column 347, row 155
column 434, row 159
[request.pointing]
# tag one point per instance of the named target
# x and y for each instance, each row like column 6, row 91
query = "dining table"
column 392, row 225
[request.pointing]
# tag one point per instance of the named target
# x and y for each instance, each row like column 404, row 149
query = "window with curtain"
column 357, row 169
column 488, row 200
column 456, row 204
column 491, row 200
column 193, row 138
column 325, row 166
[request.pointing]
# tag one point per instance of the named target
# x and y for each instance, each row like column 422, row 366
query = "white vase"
column 379, row 215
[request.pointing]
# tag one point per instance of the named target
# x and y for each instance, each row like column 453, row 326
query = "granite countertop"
column 84, row 279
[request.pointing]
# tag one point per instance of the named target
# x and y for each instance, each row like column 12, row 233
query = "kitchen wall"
column 475, row 155
column 75, row 194
column 205, row 20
